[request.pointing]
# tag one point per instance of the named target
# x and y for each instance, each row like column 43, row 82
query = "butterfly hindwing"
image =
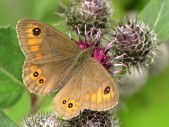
column 91, row 87
column 45, row 78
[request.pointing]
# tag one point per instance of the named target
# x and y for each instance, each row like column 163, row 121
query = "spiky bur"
column 90, row 118
column 136, row 41
column 42, row 120
column 89, row 13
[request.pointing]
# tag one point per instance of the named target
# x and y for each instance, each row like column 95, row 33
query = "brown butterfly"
column 54, row 62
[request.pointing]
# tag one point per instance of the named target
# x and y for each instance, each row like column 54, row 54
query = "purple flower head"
column 93, row 7
column 89, row 13
column 127, row 36
column 100, row 53
column 136, row 41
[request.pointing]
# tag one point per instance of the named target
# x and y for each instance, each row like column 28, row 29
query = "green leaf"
column 45, row 11
column 5, row 121
column 156, row 15
column 22, row 106
column 11, row 61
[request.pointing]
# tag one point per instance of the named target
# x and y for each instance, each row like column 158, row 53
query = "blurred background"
column 12, row 11
column 145, row 106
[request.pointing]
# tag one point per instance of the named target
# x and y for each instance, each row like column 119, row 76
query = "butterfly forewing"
column 41, row 43
column 91, row 87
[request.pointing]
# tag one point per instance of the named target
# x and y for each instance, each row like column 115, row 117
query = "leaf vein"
column 10, row 76
column 159, row 14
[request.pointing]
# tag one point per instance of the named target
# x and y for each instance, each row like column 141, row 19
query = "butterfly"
column 56, row 63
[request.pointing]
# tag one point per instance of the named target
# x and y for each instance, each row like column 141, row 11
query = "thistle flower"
column 136, row 41
column 90, row 118
column 42, row 120
column 99, row 53
column 89, row 13
column 87, row 118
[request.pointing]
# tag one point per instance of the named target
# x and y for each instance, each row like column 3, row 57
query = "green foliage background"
column 147, row 108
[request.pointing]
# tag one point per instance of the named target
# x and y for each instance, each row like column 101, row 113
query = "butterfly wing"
column 46, row 78
column 91, row 87
column 49, row 56
column 41, row 43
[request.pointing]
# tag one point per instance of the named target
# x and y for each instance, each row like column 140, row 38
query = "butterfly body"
column 54, row 62
column 82, row 57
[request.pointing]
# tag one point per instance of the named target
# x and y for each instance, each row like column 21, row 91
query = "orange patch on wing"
column 33, row 68
column 34, row 48
column 38, row 56
column 33, row 41
column 106, row 97
column 99, row 97
column 93, row 97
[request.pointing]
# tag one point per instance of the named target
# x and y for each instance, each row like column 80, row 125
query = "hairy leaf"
column 5, row 121
column 156, row 15
column 11, row 61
